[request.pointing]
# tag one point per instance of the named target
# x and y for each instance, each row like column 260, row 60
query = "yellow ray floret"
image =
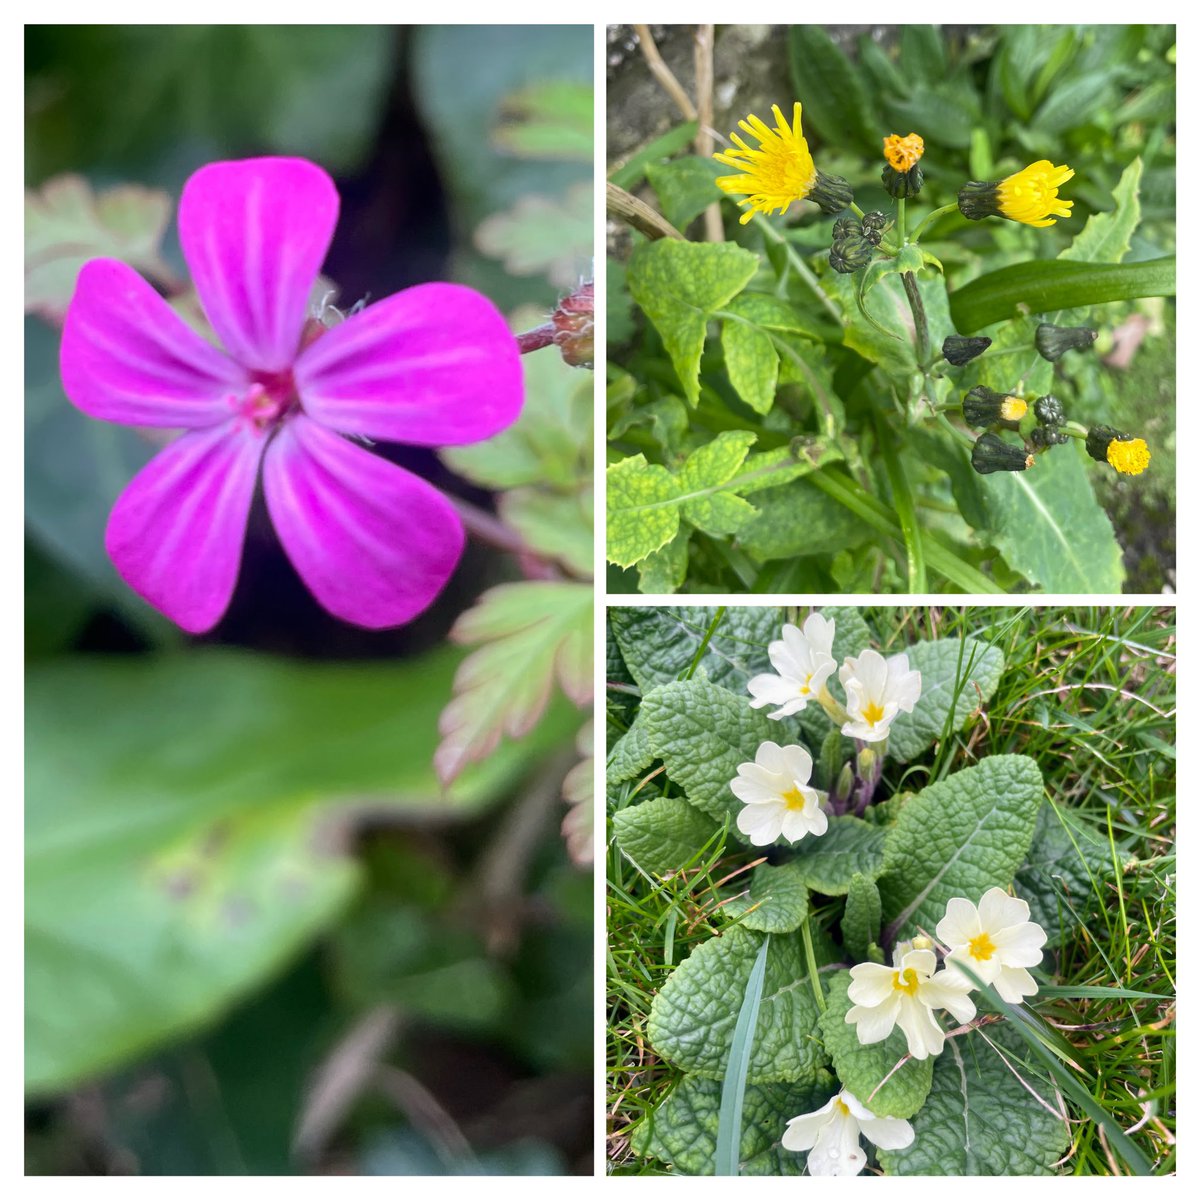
column 779, row 171
column 1031, row 196
column 903, row 153
column 1130, row 457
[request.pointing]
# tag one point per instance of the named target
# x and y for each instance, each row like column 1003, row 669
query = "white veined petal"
column 801, row 1132
column 999, row 910
column 945, row 990
column 770, row 780
column 888, row 1133
column 787, row 662
column 796, row 652
column 871, row 983
column 874, row 1024
column 924, row 962
column 799, row 764
column 770, row 756
column 987, row 970
column 751, row 791
column 837, row 1151
column 799, row 704
column 770, row 689
column 1020, row 945
column 797, row 825
column 960, row 924
column 819, row 631
column 1015, row 983
column 924, row 1034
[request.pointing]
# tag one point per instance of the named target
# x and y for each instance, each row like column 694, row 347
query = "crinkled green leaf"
column 679, row 285
column 682, row 1131
column 751, row 362
column 663, row 834
column 664, row 571
column 863, row 1068
column 551, row 119
column 848, row 847
column 938, row 662
column 770, row 312
column 685, row 187
column 692, row 1017
column 776, row 900
column 708, row 467
column 979, row 1118
column 702, row 732
column 959, row 837
column 631, row 755
column 643, row 509
column 860, row 922
column 658, row 644
column 799, row 520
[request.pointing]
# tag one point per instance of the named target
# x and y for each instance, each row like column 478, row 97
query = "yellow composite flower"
column 779, row 171
column 903, row 153
column 1030, row 196
column 1122, row 451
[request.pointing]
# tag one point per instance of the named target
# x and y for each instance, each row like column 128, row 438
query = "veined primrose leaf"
column 775, row 902
column 850, row 846
column 861, row 920
column 663, row 834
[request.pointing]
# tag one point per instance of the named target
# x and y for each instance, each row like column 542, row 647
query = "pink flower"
column 431, row 366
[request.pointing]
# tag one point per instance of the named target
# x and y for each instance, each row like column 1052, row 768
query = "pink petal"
column 374, row 543
column 255, row 234
column 176, row 532
column 126, row 356
column 432, row 366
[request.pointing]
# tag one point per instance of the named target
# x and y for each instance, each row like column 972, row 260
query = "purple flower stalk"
column 431, row 366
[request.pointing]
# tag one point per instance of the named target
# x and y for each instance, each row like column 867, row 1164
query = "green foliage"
column 849, row 847
column 663, row 834
column 864, row 912
column 775, row 902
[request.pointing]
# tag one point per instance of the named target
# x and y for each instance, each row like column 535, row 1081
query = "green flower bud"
column 991, row 454
column 982, row 407
column 831, row 193
column 977, row 200
column 844, row 226
column 902, row 185
column 1045, row 436
column 1053, row 341
column 875, row 220
column 850, row 254
column 1049, row 410
column 958, row 351
column 845, row 784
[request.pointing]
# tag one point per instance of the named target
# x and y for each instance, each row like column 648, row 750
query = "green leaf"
column 679, row 285
column 703, row 733
column 1044, row 286
column 663, row 834
column 958, row 837
column 531, row 635
column 710, row 467
column 664, row 571
column 938, row 662
column 860, row 922
column 692, row 1017
column 835, row 100
column 1049, row 526
column 187, row 824
column 1106, row 236
column 799, row 520
column 979, row 1119
column 553, row 525
column 682, row 1131
column 733, row 1086
column 631, row 172
column 541, row 235
column 685, row 187
column 659, row 644
column 849, row 847
column 775, row 902
column 630, row 755
column 861, row 1069
column 66, row 224
column 751, row 362
column 551, row 119
column 643, row 509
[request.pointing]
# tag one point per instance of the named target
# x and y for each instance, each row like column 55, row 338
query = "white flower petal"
column 770, row 756
column 770, row 689
column 924, row 962
column 761, row 823
column 801, row 1132
column 945, row 990
column 874, row 1024
column 837, row 1151
column 1015, row 983
column 999, row 910
column 799, row 764
column 888, row 1133
column 960, row 924
column 1020, row 945
column 819, row 631
column 871, row 984
column 797, row 825
column 924, row 1034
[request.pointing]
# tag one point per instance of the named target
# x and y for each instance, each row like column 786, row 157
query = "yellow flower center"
column 839, row 1106
column 779, row 171
column 1130, row 458
column 905, row 981
column 806, row 686
column 1013, row 408
column 1031, row 196
column 873, row 713
column 794, row 799
column 981, row 948
column 903, row 153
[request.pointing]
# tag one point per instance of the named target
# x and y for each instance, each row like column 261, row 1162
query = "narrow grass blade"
column 733, row 1089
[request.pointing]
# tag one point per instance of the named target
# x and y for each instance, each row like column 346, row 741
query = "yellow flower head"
column 1031, row 196
column 779, row 171
column 903, row 153
column 1130, row 458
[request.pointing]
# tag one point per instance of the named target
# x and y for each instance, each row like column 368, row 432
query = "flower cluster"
column 775, row 788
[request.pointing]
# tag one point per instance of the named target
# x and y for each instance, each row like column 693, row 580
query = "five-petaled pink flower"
column 431, row 366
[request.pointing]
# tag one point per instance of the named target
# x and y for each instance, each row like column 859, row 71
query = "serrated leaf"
column 751, row 362
column 707, row 468
column 938, row 662
column 579, row 791
column 860, row 921
column 679, row 285
column 693, row 1016
column 532, row 635
column 703, row 733
column 643, row 509
column 541, row 235
column 979, row 1119
column 848, row 847
column 958, row 837
column 658, row 644
column 863, row 1068
column 553, row 524
column 664, row 571
column 775, row 902
column 630, row 755
column 685, row 187
column 66, row 224
column 663, row 834
column 1049, row 526
column 682, row 1131
column 549, row 120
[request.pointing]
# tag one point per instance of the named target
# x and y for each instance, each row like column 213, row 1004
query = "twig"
column 637, row 213
column 662, row 73
column 713, row 229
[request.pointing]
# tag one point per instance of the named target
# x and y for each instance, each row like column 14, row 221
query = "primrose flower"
column 1030, row 196
column 877, row 690
column 906, row 994
column 774, row 788
column 830, row 1135
column 780, row 171
column 803, row 662
column 431, row 366
column 997, row 941
column 1122, row 451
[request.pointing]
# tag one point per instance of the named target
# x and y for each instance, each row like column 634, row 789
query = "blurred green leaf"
column 633, row 170
column 547, row 120
column 187, row 827
column 553, row 524
column 832, row 91
column 542, row 236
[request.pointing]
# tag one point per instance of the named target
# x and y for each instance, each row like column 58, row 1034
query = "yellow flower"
column 1122, row 451
column 779, row 171
column 1030, row 196
column 903, row 153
